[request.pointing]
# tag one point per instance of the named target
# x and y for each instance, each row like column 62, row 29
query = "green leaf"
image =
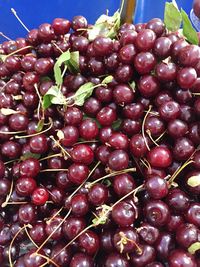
column 3, row 57
column 29, row 155
column 84, row 92
column 73, row 62
column 194, row 181
column 117, row 124
column 57, row 67
column 188, row 30
column 107, row 79
column 107, row 182
column 53, row 96
column 132, row 85
column 40, row 125
column 105, row 26
column 45, row 79
column 194, row 248
column 172, row 17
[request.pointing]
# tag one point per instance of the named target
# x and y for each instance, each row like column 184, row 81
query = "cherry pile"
column 113, row 182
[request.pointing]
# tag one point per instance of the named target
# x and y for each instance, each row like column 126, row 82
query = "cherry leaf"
column 3, row 57
column 60, row 134
column 53, row 96
column 172, row 16
column 29, row 155
column 194, row 181
column 73, row 62
column 117, row 124
column 107, row 79
column 132, row 85
column 84, row 92
column 57, row 67
column 105, row 26
column 8, row 111
column 188, row 30
column 40, row 125
column 194, row 248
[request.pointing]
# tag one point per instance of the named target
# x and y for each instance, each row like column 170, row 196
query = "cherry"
column 183, row 149
column 164, row 245
column 73, row 226
column 123, row 73
column 157, row 212
column 61, row 255
column 77, row 173
column 38, row 144
column 130, row 238
column 178, row 199
column 148, row 86
column 43, row 66
column 144, row 62
column 180, row 257
column 147, row 255
column 138, row 146
column 102, row 46
column 25, row 186
column 37, row 233
column 174, row 222
column 80, row 260
column 148, row 233
column 160, row 157
column 186, row 235
column 145, row 40
column 52, row 227
column 169, row 110
column 30, row 167
column 118, row 160
column 40, row 196
column 156, row 187
column 106, row 116
column 89, row 242
column 27, row 213
column 177, row 128
column 123, row 184
column 88, row 129
column 11, row 149
column 82, row 154
column 114, row 259
column 79, row 205
column 166, row 72
column 157, row 26
column 98, row 194
column 123, row 214
column 61, row 26
column 123, row 94
column 162, row 47
column 189, row 55
column 33, row 259
column 73, row 116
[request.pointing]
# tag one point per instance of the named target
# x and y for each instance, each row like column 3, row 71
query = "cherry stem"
column 48, row 222
column 47, row 260
column 112, row 174
column 51, row 156
column 150, row 136
column 143, row 124
column 19, row 50
column 65, row 153
column 59, row 225
column 53, row 170
column 124, row 240
column 30, row 237
column 158, row 139
column 78, row 188
column 4, row 204
column 40, row 102
column 35, row 134
column 20, row 21
column 6, row 37
column 12, row 241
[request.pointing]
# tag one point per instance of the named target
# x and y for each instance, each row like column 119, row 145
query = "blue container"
column 34, row 12
column 148, row 9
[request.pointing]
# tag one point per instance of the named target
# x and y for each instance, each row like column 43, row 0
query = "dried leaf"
column 29, row 155
column 194, row 248
column 8, row 111
column 60, row 134
column 194, row 181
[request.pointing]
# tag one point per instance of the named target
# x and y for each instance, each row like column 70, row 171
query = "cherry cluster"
column 113, row 182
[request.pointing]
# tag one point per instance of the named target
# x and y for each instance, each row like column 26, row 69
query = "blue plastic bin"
column 147, row 9
column 34, row 12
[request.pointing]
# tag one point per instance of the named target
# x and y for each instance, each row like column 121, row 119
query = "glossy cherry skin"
column 30, row 167
column 148, row 255
column 123, row 214
column 77, row 173
column 89, row 242
column 160, row 157
column 73, row 226
column 179, row 257
column 148, row 233
column 157, row 212
column 115, row 259
column 82, row 154
column 25, row 186
column 40, row 196
column 81, row 260
column 118, row 160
